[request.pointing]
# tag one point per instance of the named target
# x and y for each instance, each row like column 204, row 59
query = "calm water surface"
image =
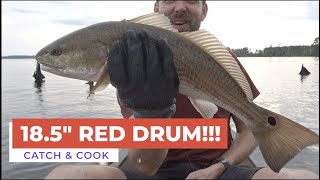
column 281, row 87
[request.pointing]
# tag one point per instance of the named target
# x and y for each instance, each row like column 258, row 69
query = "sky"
column 27, row 26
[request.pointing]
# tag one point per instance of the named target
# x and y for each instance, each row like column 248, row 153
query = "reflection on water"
column 282, row 90
column 38, row 84
column 39, row 95
column 302, row 78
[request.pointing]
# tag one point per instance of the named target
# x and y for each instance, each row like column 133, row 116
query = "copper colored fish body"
column 208, row 75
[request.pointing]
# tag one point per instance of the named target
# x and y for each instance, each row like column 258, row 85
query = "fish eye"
column 272, row 121
column 56, row 51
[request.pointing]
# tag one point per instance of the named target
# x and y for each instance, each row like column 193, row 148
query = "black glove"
column 142, row 69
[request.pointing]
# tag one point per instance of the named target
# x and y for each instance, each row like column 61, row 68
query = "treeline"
column 18, row 57
column 285, row 51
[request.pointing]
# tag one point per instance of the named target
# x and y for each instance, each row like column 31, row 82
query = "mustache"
column 180, row 15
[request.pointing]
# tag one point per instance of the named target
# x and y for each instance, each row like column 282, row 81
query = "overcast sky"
column 29, row 26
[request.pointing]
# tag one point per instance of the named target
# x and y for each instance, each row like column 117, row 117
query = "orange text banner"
column 120, row 133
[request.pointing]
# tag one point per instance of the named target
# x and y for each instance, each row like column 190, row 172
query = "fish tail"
column 282, row 140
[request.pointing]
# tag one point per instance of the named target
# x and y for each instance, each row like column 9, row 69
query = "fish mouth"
column 44, row 65
column 50, row 68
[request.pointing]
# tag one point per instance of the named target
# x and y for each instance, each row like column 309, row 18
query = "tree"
column 316, row 42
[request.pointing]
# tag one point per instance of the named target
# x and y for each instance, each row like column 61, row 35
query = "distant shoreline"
column 18, row 57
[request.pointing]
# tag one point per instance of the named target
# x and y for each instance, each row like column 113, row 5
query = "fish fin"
column 200, row 100
column 282, row 141
column 213, row 47
column 205, row 108
column 155, row 19
column 102, row 82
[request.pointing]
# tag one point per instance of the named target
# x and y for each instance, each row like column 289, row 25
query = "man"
column 155, row 96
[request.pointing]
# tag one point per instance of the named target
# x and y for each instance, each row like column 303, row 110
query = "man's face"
column 184, row 15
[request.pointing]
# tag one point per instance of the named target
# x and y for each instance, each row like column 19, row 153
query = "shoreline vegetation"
column 284, row 51
column 18, row 57
column 279, row 51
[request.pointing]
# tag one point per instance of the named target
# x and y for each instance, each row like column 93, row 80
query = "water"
column 282, row 91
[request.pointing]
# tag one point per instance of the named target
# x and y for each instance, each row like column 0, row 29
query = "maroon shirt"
column 184, row 109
